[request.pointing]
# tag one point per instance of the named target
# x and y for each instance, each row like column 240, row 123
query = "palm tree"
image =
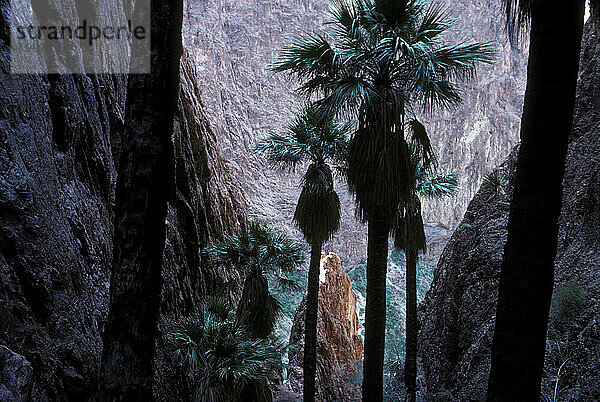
column 409, row 236
column 527, row 275
column 214, row 345
column 317, row 139
column 385, row 59
column 142, row 194
column 258, row 249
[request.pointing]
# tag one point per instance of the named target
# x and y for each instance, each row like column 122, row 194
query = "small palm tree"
column 494, row 184
column 215, row 345
column 409, row 236
column 257, row 249
column 385, row 60
column 319, row 140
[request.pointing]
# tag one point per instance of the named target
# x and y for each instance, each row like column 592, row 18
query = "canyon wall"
column 234, row 41
column 59, row 146
column 457, row 316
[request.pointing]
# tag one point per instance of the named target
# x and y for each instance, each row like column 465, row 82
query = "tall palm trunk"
column 141, row 205
column 310, row 326
column 527, row 275
column 375, row 312
column 410, row 361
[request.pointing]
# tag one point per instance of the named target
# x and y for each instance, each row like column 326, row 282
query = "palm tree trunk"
column 310, row 326
column 410, row 360
column 141, row 206
column 375, row 312
column 527, row 276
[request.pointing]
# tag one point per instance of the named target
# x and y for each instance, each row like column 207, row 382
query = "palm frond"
column 518, row 15
column 344, row 18
column 436, row 20
column 281, row 149
column 434, row 92
column 288, row 283
column 461, row 59
column 312, row 135
column 308, row 57
column 444, row 185
column 346, row 94
column 260, row 246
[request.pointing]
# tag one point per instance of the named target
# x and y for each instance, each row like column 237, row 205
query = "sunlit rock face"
column 233, row 42
column 339, row 348
column 458, row 314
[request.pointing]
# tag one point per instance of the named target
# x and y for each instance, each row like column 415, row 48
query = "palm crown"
column 319, row 139
column 384, row 60
column 259, row 250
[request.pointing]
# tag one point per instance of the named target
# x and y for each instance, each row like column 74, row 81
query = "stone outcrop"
column 15, row 376
column 59, row 146
column 339, row 347
column 457, row 316
column 233, row 42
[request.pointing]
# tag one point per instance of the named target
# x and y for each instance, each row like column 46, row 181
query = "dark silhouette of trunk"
column 410, row 361
column 375, row 312
column 310, row 323
column 143, row 185
column 527, row 276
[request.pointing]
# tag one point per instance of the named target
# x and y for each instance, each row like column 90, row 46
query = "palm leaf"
column 445, row 185
column 518, row 15
column 309, row 56
column 281, row 149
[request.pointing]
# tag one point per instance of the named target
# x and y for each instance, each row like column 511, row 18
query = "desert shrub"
column 568, row 302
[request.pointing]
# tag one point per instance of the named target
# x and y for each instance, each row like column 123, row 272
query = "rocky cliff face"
column 339, row 348
column 233, row 43
column 59, row 143
column 457, row 316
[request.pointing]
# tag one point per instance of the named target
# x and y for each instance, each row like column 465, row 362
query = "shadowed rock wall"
column 59, row 144
column 457, row 316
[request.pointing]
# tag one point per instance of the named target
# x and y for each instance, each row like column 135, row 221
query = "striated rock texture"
column 59, row 143
column 233, row 42
column 339, row 348
column 457, row 316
